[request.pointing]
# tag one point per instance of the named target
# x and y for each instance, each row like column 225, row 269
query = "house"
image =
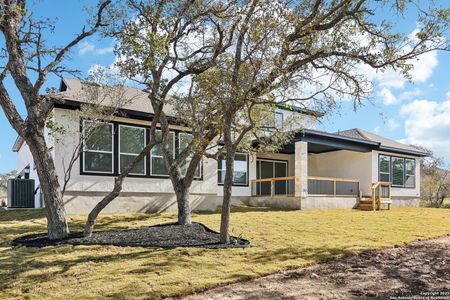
column 316, row 169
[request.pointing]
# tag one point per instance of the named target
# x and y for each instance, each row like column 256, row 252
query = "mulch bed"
column 169, row 235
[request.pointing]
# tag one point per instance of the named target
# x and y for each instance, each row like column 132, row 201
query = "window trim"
column 112, row 152
column 179, row 151
column 132, row 154
column 404, row 170
column 247, row 172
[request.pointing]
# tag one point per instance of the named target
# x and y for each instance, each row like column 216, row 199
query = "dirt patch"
column 170, row 235
column 420, row 270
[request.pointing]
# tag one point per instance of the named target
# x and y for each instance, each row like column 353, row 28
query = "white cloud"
column 86, row 47
column 410, row 94
column 377, row 129
column 428, row 124
column 392, row 124
column 387, row 96
column 423, row 66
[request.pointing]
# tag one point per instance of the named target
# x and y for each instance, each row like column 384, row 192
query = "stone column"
column 301, row 171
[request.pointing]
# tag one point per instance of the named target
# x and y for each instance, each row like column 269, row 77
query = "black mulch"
column 169, row 235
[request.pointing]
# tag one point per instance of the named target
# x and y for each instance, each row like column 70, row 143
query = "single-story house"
column 316, row 169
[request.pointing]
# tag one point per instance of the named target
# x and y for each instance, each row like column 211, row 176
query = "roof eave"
column 403, row 151
column 18, row 144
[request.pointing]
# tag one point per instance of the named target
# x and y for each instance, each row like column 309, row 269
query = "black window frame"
column 247, row 172
column 274, row 127
column 124, row 153
column 116, row 167
column 113, row 151
column 404, row 170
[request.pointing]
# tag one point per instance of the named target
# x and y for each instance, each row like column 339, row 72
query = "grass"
column 281, row 239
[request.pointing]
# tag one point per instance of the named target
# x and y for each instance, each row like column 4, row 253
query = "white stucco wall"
column 398, row 192
column 295, row 120
column 343, row 164
column 65, row 147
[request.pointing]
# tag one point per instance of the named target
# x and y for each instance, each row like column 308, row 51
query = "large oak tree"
column 29, row 58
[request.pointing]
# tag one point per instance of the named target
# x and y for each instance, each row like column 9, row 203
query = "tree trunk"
column 89, row 227
column 184, row 206
column 227, row 184
column 226, row 205
column 57, row 226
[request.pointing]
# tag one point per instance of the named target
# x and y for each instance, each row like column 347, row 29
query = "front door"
column 270, row 169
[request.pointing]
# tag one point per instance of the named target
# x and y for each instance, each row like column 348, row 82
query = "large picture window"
column 108, row 148
column 131, row 143
column 184, row 140
column 399, row 171
column 158, row 165
column 98, row 147
column 240, row 174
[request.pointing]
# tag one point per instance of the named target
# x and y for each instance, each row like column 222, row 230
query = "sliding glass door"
column 271, row 169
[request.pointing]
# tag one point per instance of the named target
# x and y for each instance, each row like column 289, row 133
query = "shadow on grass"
column 21, row 214
column 245, row 209
column 16, row 262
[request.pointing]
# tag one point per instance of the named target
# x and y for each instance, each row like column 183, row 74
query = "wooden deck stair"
column 365, row 204
column 381, row 195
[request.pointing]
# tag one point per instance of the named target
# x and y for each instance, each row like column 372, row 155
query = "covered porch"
column 328, row 171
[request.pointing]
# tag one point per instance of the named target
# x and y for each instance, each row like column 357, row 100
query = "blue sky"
column 415, row 112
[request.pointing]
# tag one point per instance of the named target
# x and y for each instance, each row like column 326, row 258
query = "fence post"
column 334, row 188
column 272, row 187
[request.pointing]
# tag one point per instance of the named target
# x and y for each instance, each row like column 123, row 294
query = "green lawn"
column 281, row 240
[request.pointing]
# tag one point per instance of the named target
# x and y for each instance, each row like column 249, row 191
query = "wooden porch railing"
column 317, row 186
column 269, row 187
column 330, row 186
column 381, row 194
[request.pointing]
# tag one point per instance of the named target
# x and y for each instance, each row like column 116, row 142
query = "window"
column 158, row 165
column 240, row 174
column 184, row 139
column 273, row 120
column 399, row 171
column 385, row 168
column 98, row 147
column 131, row 143
column 410, row 172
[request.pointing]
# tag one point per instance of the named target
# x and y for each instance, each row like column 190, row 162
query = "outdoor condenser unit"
column 21, row 193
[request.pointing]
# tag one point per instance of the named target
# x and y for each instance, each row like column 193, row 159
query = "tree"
column 435, row 179
column 103, row 93
column 161, row 47
column 27, row 56
column 315, row 47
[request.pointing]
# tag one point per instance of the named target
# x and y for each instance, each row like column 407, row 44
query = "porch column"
column 301, row 170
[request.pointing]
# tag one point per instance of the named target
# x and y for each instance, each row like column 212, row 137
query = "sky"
column 412, row 112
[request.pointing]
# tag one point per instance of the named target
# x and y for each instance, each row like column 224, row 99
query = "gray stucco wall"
column 81, row 203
